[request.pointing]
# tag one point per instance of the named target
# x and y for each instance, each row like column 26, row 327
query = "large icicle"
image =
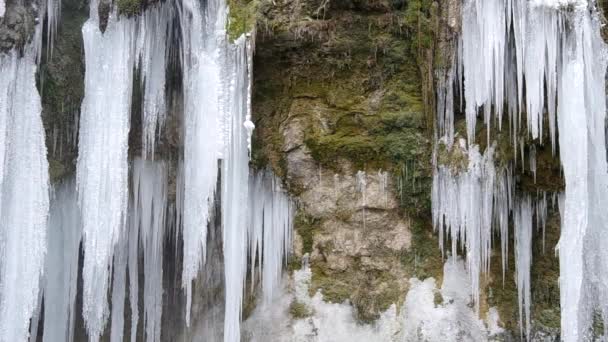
column 102, row 170
column 203, row 38
column 235, row 179
column 149, row 219
column 61, row 271
column 581, row 115
column 24, row 197
column 522, row 218
column 152, row 40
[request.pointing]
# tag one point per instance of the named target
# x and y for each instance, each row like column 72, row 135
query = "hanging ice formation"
column 537, row 57
column 102, row 157
column 61, row 270
column 203, row 37
column 235, row 177
column 111, row 56
column 153, row 35
column 24, row 186
column 146, row 228
column 270, row 230
column 2, row 8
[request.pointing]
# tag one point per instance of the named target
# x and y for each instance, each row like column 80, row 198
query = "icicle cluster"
column 537, row 57
column 152, row 39
column 465, row 204
column 270, row 230
column 102, row 157
column 111, row 57
column 203, row 39
column 61, row 270
column 24, row 193
column 470, row 205
column 144, row 239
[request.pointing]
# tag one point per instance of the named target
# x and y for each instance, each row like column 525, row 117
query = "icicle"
column 270, row 229
column 203, row 38
column 24, row 193
column 53, row 15
column 102, row 157
column 465, row 204
column 133, row 264
column 362, row 189
column 152, row 40
column 581, row 119
column 61, row 270
column 523, row 260
column 235, row 185
column 383, row 177
column 119, row 283
column 532, row 157
column 148, row 218
column 2, row 8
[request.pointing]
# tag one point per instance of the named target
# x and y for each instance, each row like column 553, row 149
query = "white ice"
column 24, row 194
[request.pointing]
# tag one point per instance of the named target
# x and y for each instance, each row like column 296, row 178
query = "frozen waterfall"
column 61, row 270
column 102, row 170
column 24, row 193
column 545, row 60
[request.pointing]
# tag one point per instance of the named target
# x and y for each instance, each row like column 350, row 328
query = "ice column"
column 235, row 179
column 581, row 115
column 149, row 219
column 24, row 193
column 102, row 169
column 61, row 270
column 522, row 218
column 152, row 39
column 203, row 39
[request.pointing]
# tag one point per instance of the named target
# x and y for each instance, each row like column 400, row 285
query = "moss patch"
column 242, row 17
column 299, row 310
column 129, row 8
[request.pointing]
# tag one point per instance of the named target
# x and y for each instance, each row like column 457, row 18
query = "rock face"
column 17, row 24
column 340, row 116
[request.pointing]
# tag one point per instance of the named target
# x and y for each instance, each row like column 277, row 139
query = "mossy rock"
column 299, row 310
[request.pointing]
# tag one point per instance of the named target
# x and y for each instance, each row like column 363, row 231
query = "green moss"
column 545, row 276
column 305, row 226
column 242, row 17
column 299, row 310
column 423, row 259
column 336, row 288
column 129, row 8
column 61, row 84
column 437, row 298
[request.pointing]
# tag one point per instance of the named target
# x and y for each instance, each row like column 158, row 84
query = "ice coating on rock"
column 102, row 168
column 61, row 270
column 24, row 194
